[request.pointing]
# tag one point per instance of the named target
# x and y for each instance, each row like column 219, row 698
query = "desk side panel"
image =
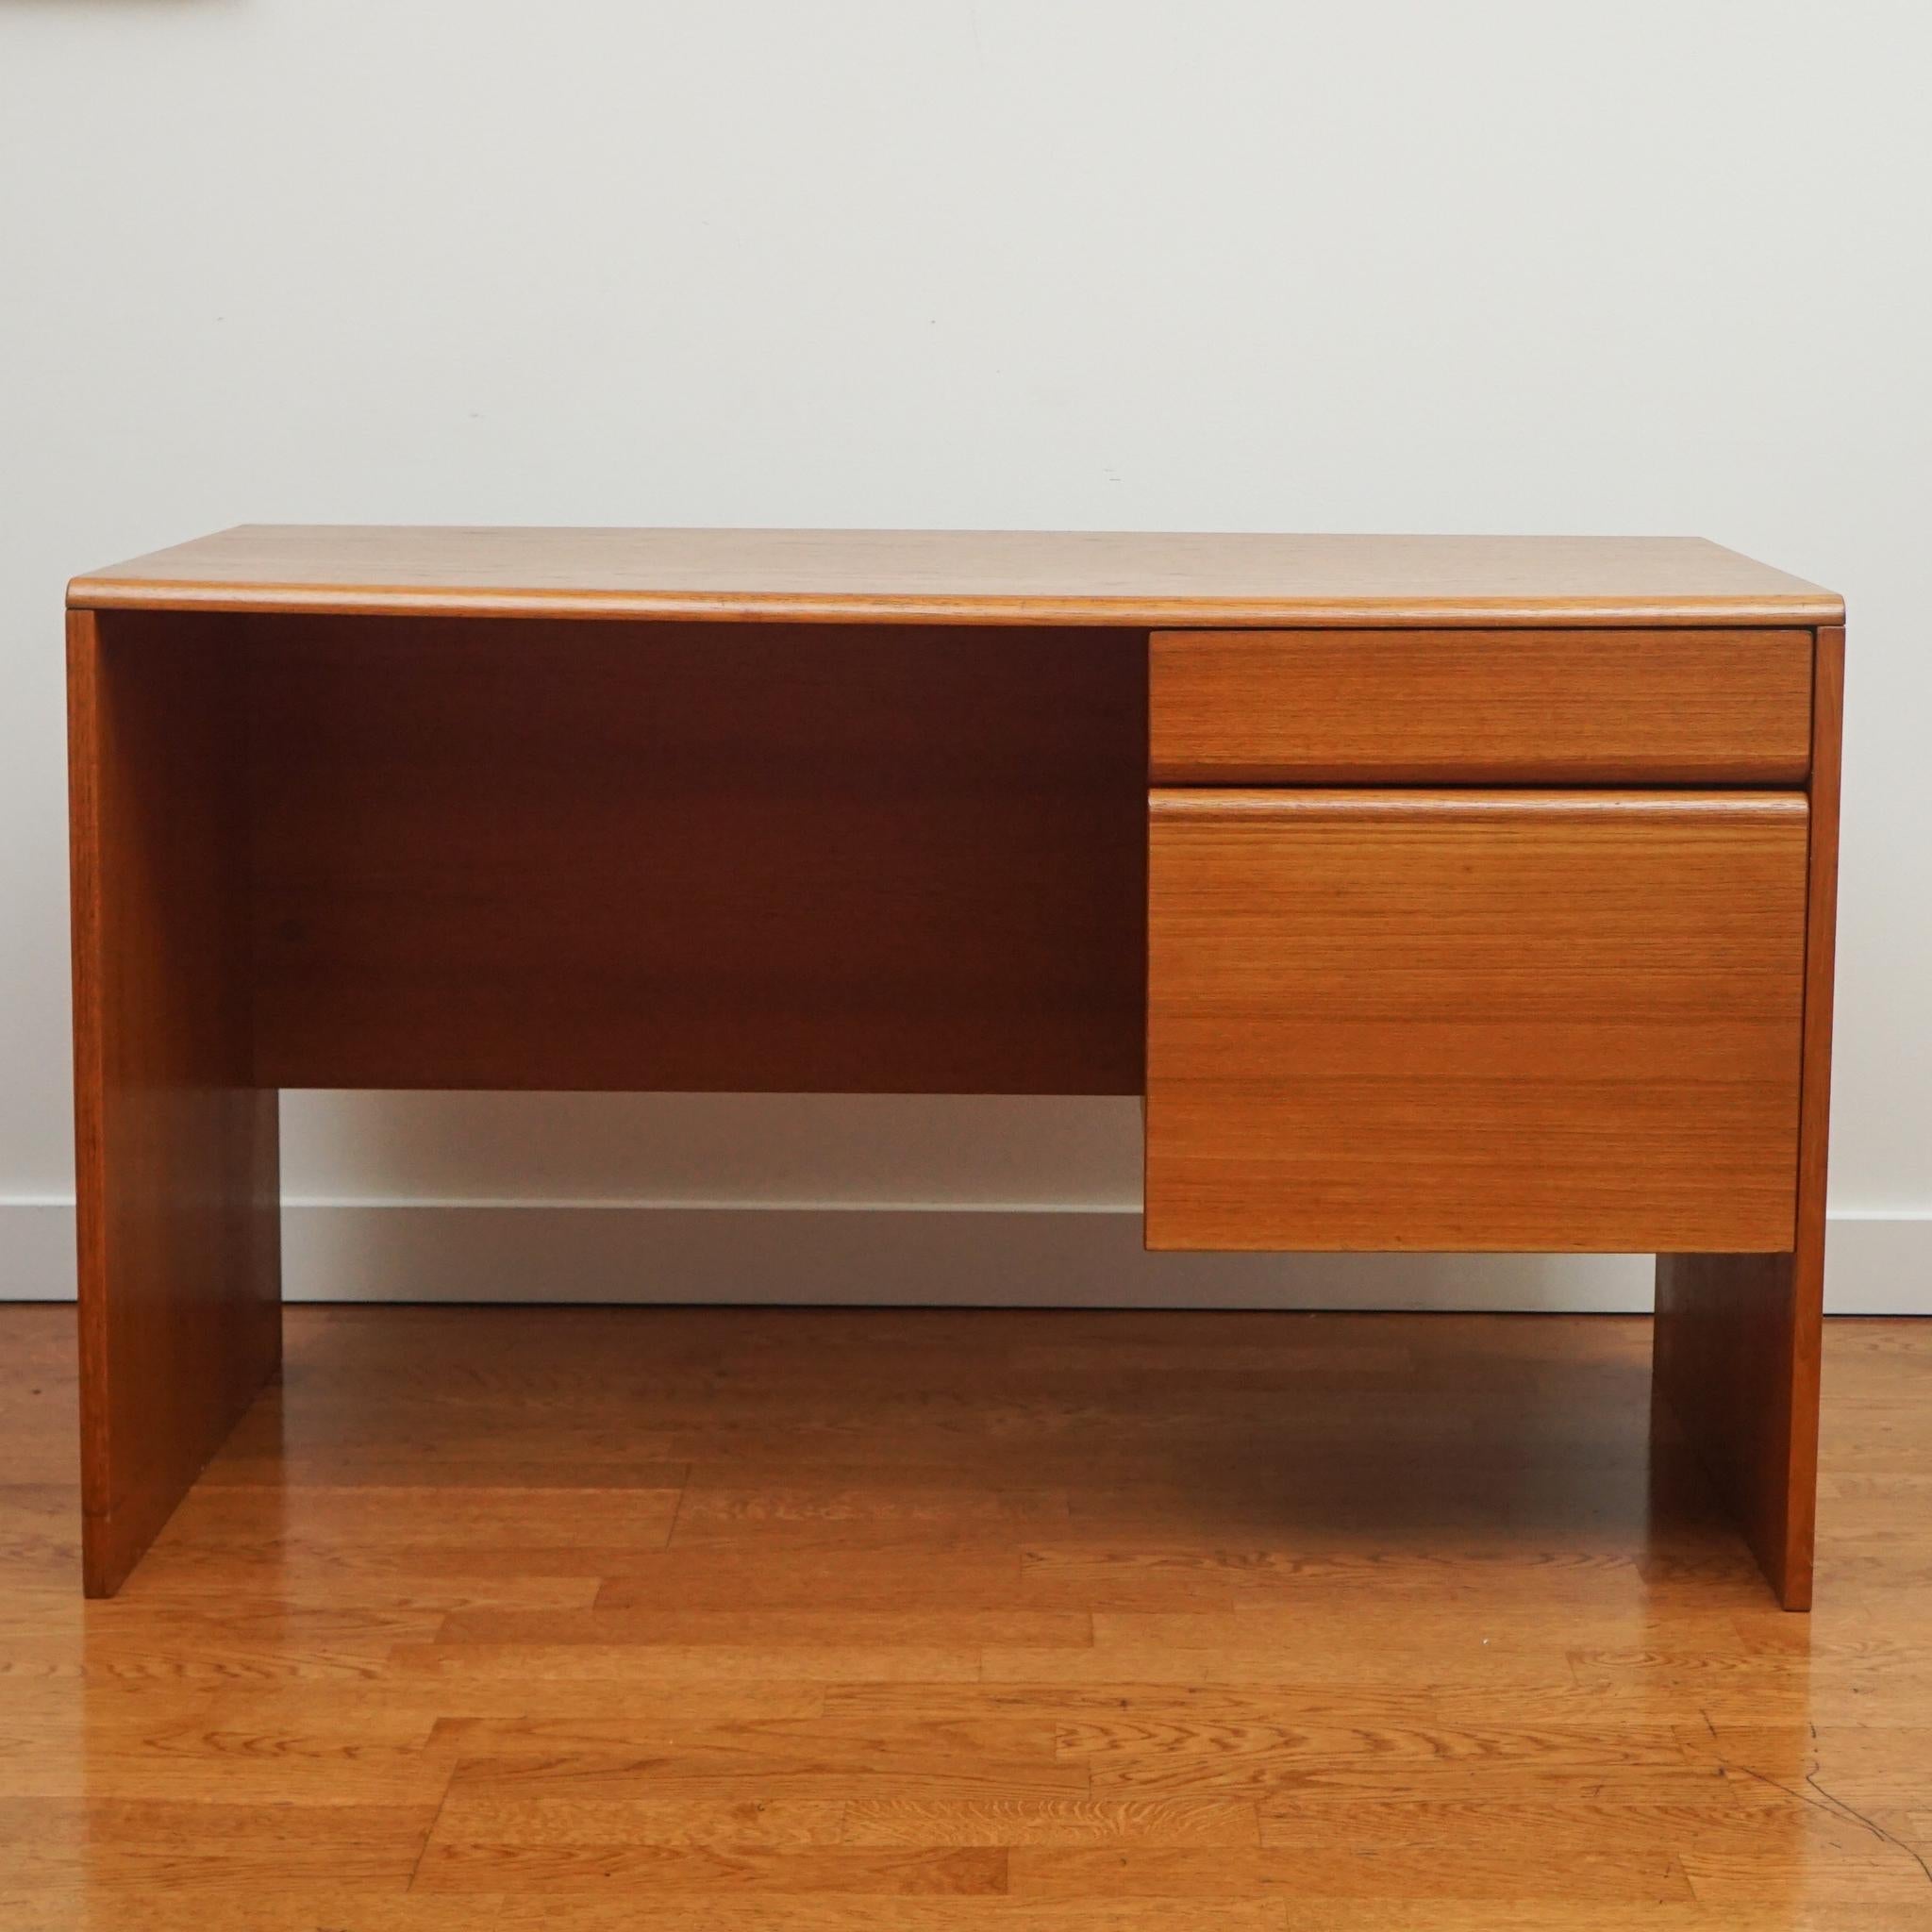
column 176, row 1168
column 1738, row 1337
column 698, row 857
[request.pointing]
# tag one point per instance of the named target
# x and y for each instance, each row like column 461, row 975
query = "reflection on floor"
column 897, row 1621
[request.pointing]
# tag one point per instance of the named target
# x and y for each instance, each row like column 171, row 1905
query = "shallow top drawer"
column 1479, row 707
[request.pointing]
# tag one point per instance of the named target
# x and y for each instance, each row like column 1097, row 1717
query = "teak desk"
column 1436, row 893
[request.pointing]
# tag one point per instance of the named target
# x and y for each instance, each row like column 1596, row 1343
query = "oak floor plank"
column 631, row 1868
column 208, row 1845
column 1626, row 1763
column 825, row 1759
column 1649, row 1874
column 506, row 1815
column 759, row 1579
column 455, row 1667
column 1051, row 1822
column 845, row 1628
column 594, row 1910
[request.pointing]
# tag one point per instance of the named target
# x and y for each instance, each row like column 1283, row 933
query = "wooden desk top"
column 963, row 576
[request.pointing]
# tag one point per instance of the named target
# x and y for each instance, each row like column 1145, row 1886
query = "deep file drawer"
column 1577, row 706
column 1473, row 1020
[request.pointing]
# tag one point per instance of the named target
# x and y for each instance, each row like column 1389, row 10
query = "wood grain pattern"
column 777, row 859
column 1461, row 1020
column 1133, row 579
column 1522, row 1673
column 1737, row 1336
column 176, row 1159
column 1480, row 707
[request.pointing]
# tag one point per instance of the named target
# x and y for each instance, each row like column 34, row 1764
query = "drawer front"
column 1472, row 707
column 1479, row 1021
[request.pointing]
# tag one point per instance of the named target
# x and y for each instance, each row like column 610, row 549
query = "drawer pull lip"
column 1234, row 803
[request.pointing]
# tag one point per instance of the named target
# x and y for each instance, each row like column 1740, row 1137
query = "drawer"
column 1480, row 707
column 1471, row 1020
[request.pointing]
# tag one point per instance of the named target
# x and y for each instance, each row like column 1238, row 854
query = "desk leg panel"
column 176, row 1164
column 1737, row 1336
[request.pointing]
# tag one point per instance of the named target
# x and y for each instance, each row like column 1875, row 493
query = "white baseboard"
column 467, row 1251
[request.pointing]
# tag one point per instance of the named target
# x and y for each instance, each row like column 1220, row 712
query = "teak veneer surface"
column 1475, row 1019
column 1736, row 1341
column 175, row 1143
column 934, row 577
column 853, row 860
column 1479, row 707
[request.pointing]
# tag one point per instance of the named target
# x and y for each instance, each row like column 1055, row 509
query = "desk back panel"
column 510, row 853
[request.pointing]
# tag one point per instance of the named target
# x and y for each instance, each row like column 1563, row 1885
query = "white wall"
column 1656, row 265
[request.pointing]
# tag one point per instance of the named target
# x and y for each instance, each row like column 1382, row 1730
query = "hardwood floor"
column 934, row 1622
